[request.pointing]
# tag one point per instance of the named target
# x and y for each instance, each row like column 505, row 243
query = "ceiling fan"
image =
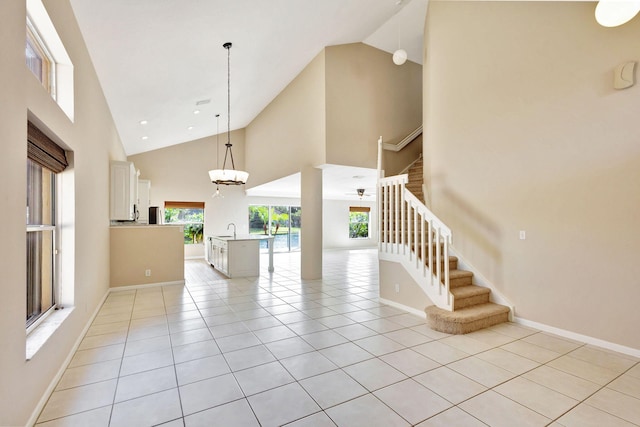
column 360, row 192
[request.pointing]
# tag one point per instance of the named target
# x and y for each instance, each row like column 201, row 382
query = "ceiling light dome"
column 399, row 56
column 612, row 13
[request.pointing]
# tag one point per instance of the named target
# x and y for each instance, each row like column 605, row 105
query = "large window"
column 282, row 222
column 359, row 222
column 188, row 214
column 40, row 240
column 44, row 160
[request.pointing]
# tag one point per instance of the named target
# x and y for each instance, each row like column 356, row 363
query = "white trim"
column 195, row 257
column 54, row 382
column 578, row 337
column 147, row 285
column 399, row 146
column 419, row 313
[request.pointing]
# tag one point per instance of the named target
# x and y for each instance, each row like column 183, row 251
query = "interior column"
column 311, row 223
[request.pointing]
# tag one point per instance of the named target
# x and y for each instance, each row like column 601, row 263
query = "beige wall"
column 290, row 132
column 409, row 293
column 394, row 162
column 368, row 96
column 525, row 132
column 94, row 141
column 336, row 225
column 334, row 112
column 137, row 249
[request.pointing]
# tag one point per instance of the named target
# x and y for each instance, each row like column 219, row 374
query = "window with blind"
column 188, row 214
column 45, row 159
column 359, row 222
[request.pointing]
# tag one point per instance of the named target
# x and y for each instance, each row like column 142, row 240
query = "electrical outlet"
column 523, row 235
column 147, row 272
column 397, row 287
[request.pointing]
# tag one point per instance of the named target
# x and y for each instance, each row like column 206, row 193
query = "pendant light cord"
column 233, row 166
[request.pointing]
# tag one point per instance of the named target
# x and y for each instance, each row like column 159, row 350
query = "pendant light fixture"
column 400, row 55
column 228, row 176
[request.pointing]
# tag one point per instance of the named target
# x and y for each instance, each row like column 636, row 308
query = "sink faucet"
column 234, row 229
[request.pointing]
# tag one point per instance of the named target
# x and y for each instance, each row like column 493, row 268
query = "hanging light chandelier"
column 226, row 176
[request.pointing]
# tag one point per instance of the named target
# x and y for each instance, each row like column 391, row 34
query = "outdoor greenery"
column 192, row 219
column 281, row 221
column 358, row 225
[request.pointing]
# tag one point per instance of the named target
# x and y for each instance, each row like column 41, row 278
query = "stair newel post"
column 407, row 206
column 396, row 204
column 381, row 189
column 415, row 233
column 447, row 242
column 402, row 222
column 438, row 259
column 423, row 244
column 385, row 212
column 430, row 223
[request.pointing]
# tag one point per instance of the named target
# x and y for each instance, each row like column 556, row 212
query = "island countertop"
column 243, row 237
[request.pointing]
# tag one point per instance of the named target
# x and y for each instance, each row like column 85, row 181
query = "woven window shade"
column 42, row 150
column 359, row 209
column 184, row 205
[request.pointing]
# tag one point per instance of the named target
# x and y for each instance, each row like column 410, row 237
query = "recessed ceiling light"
column 144, row 138
column 190, row 127
column 196, row 111
column 143, row 122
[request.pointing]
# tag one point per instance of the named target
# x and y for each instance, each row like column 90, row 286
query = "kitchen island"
column 237, row 256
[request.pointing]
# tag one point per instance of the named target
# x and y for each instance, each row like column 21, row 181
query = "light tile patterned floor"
column 278, row 350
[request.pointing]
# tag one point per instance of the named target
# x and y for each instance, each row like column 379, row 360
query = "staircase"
column 415, row 173
column 412, row 235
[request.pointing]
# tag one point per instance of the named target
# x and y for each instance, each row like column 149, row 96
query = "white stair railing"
column 411, row 234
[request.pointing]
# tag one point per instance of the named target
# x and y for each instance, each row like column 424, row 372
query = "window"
column 282, row 222
column 47, row 58
column 189, row 214
column 44, row 160
column 359, row 222
column 39, row 60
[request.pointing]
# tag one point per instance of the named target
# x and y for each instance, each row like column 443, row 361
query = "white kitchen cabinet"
column 234, row 257
column 123, row 194
column 144, row 200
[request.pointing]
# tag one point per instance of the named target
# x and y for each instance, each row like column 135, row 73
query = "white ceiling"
column 156, row 59
column 338, row 183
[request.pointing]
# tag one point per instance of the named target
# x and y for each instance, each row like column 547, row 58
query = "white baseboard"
column 411, row 310
column 147, row 285
column 579, row 337
column 54, row 382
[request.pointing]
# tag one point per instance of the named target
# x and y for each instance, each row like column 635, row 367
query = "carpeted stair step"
column 459, row 278
column 467, row 319
column 466, row 296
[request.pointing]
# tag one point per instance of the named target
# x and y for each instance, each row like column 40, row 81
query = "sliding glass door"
column 281, row 222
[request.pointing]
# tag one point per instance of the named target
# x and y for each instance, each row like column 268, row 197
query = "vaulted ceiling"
column 159, row 61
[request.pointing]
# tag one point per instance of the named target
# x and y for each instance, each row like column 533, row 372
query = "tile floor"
column 276, row 350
